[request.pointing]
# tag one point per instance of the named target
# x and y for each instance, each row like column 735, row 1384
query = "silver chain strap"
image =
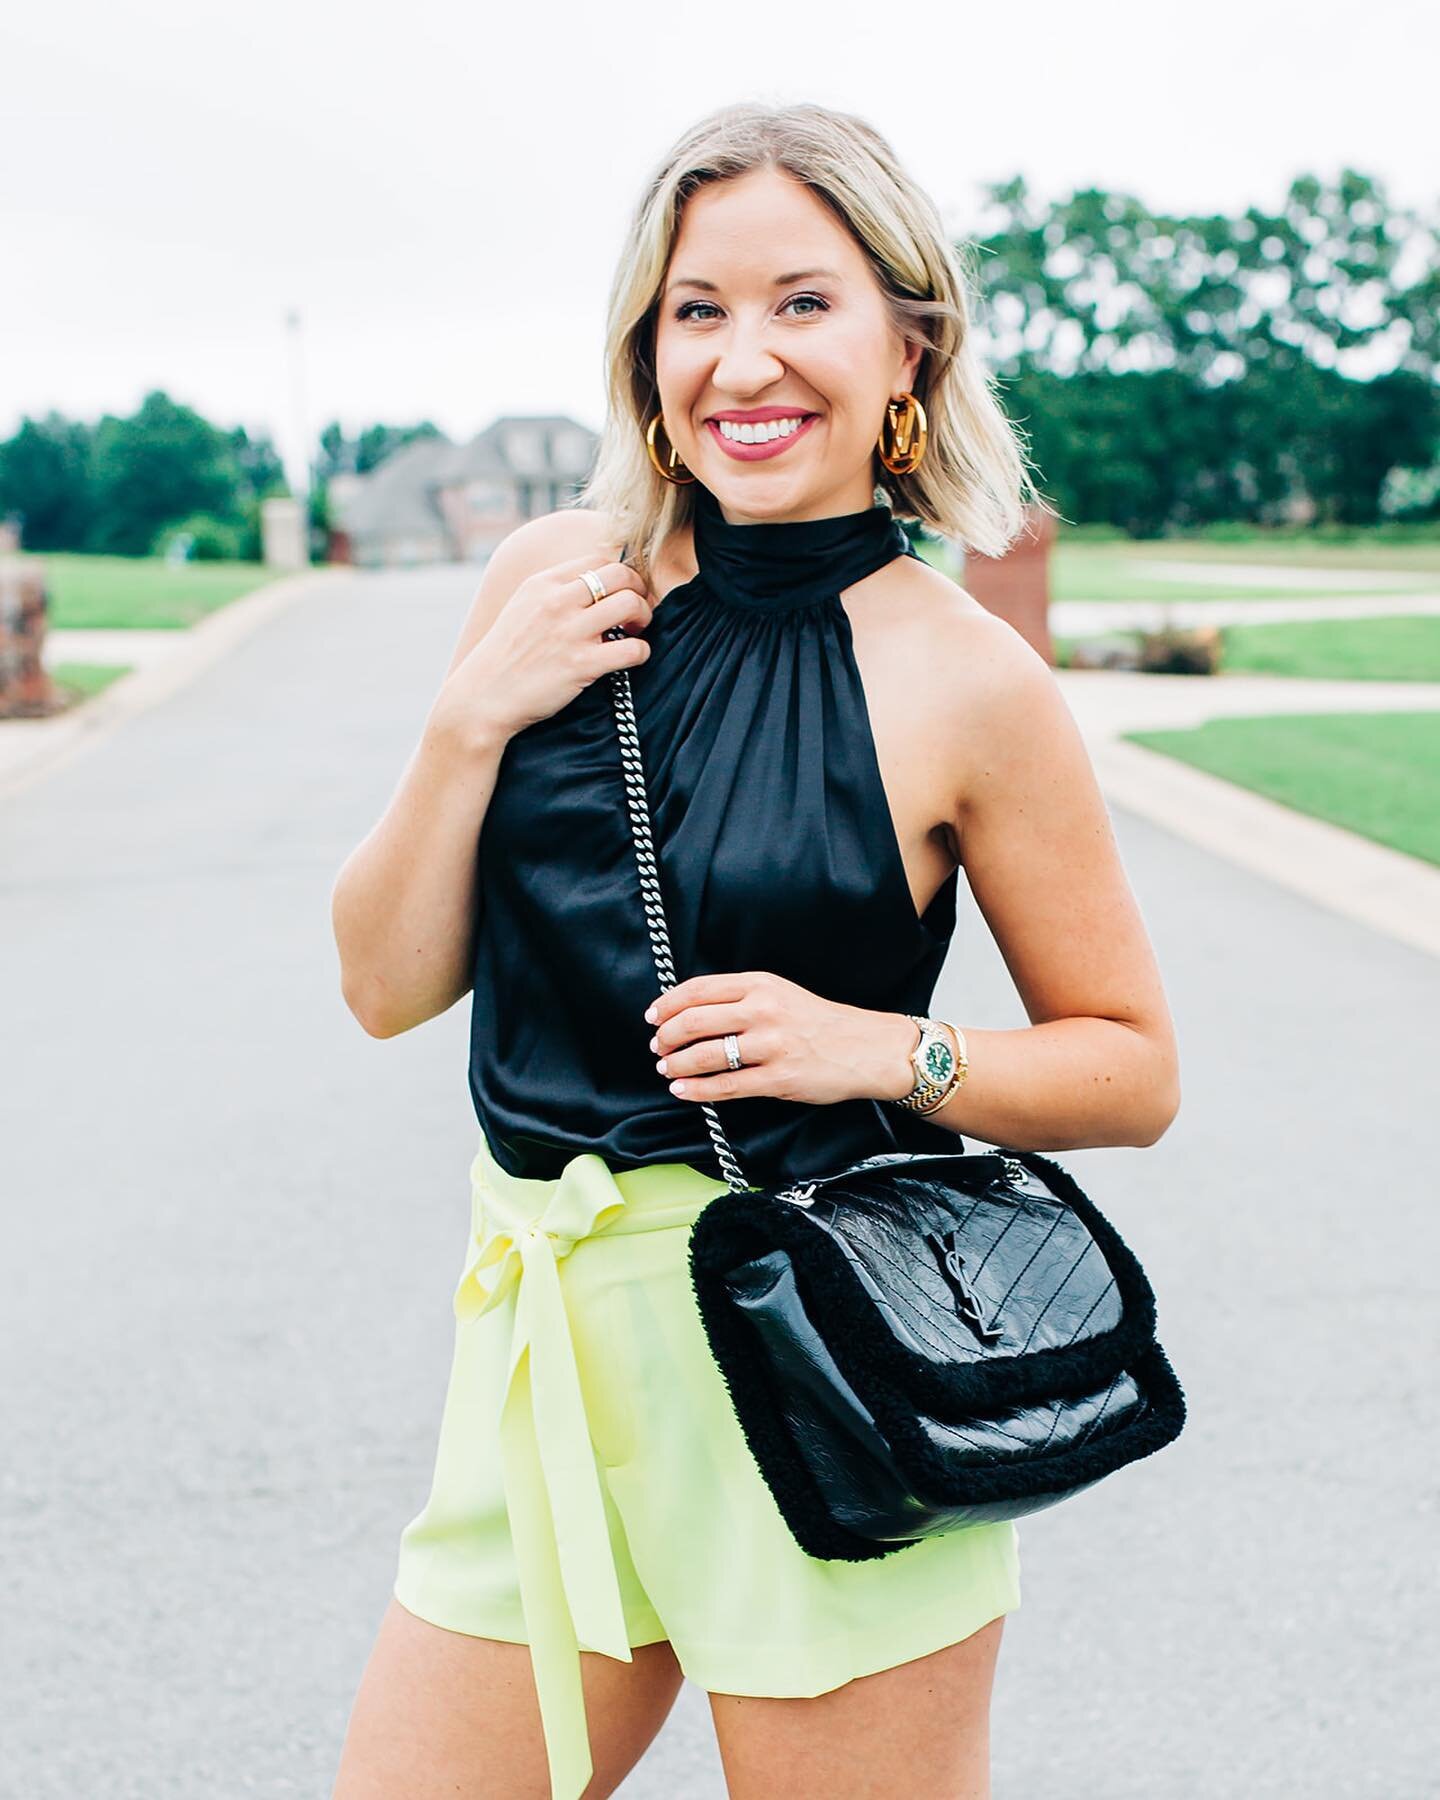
column 633, row 771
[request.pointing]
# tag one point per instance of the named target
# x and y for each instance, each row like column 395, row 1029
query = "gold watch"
column 940, row 1065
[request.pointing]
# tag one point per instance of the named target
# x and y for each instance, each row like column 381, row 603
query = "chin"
column 761, row 501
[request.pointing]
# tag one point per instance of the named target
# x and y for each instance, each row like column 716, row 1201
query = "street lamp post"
column 298, row 423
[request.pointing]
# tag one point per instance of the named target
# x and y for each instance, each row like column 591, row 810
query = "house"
column 436, row 501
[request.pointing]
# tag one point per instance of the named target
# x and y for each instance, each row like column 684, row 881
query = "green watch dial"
column 939, row 1060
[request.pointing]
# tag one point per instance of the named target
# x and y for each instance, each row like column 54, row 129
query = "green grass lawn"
column 85, row 679
column 1109, row 571
column 1377, row 774
column 1398, row 649
column 1394, row 649
column 129, row 592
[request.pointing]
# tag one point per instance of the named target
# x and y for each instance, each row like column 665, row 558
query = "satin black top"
column 776, row 850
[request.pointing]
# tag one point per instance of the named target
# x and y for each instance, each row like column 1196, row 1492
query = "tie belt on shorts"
column 569, row 1589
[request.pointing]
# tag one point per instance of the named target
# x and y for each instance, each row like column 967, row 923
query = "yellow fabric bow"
column 569, row 1588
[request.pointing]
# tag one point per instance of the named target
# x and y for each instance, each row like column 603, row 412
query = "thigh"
column 443, row 1713
column 921, row 1729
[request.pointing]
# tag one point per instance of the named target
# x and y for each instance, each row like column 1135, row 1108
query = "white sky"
column 440, row 190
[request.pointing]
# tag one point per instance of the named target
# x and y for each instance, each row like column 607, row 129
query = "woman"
column 830, row 727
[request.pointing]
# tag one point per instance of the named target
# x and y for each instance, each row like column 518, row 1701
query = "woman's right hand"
column 545, row 646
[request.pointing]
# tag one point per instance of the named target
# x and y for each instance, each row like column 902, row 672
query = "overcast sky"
column 439, row 191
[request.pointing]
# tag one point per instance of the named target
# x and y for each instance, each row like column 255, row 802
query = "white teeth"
column 759, row 434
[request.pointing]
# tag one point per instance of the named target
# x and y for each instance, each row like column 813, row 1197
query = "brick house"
column 435, row 501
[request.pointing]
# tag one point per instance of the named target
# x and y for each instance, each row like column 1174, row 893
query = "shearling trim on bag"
column 894, row 1385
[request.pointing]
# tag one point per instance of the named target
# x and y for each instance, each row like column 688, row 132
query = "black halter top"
column 776, row 850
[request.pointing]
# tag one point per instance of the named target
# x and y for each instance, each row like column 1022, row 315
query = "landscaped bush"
column 210, row 539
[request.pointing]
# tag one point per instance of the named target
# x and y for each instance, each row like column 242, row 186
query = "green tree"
column 160, row 465
column 341, row 455
column 1175, row 369
column 45, row 477
column 376, row 442
column 261, row 469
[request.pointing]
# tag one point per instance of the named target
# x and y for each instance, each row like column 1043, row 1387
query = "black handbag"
column 916, row 1342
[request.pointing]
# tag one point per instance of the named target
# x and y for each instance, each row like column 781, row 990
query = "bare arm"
column 1099, row 1063
column 403, row 906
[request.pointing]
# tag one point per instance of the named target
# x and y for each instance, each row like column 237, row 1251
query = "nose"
column 746, row 364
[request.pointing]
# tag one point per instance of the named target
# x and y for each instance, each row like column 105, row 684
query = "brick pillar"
column 1016, row 586
column 26, row 690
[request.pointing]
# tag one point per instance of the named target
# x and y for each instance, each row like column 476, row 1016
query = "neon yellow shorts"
column 592, row 1487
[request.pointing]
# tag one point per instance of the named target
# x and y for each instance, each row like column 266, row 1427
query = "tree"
column 1178, row 368
column 259, row 463
column 44, row 476
column 162, row 464
column 340, row 455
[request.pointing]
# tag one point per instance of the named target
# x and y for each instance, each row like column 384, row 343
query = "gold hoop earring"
column 672, row 458
column 909, row 430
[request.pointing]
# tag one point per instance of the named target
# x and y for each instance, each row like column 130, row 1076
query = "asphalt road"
column 232, row 1224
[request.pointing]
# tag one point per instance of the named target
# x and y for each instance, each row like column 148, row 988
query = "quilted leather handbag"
column 916, row 1342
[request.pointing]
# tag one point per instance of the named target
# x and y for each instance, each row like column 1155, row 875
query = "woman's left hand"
column 793, row 1044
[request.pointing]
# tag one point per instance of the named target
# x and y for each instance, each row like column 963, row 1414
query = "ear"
column 911, row 366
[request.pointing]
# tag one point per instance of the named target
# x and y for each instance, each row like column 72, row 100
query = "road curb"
column 1382, row 888
column 31, row 748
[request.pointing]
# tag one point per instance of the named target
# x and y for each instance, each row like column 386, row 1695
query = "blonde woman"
column 830, row 728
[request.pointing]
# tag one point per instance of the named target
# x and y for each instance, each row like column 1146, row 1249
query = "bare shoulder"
column 978, row 706
column 959, row 660
column 569, row 531
column 928, row 599
column 1011, row 728
column 552, row 537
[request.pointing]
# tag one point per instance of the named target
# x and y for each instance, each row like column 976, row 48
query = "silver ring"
column 596, row 586
column 732, row 1050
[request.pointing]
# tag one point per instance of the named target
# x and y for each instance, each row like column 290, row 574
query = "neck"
column 779, row 564
column 851, row 497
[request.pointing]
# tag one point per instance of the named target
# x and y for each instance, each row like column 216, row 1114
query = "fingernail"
column 655, row 1043
column 650, row 1013
column 677, row 1087
column 660, row 1066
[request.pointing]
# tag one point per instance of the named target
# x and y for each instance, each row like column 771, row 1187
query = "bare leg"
column 441, row 1713
column 921, row 1730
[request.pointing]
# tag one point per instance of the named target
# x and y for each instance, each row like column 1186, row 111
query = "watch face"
column 939, row 1060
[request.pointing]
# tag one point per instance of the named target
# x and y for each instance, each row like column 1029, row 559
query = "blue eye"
column 687, row 310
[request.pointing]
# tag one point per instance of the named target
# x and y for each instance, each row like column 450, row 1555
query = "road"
column 232, row 1224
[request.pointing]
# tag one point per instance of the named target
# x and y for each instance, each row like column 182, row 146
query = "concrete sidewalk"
column 1092, row 618
column 1379, row 887
column 1108, row 701
column 1219, row 573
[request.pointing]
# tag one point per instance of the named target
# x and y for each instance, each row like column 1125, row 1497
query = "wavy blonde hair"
column 973, row 483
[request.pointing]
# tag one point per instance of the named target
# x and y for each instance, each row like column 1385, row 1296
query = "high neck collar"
column 792, row 562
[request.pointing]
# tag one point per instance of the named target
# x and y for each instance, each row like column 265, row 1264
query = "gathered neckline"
column 786, row 565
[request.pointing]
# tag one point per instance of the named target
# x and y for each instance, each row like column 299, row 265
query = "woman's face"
column 733, row 340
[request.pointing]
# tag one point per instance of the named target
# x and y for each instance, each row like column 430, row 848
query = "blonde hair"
column 973, row 483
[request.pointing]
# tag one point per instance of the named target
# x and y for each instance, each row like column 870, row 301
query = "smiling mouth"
column 766, row 431
column 763, row 440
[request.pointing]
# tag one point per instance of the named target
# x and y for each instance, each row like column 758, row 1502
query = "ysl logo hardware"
column 967, row 1305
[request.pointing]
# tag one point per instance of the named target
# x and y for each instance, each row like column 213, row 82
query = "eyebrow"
column 780, row 280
